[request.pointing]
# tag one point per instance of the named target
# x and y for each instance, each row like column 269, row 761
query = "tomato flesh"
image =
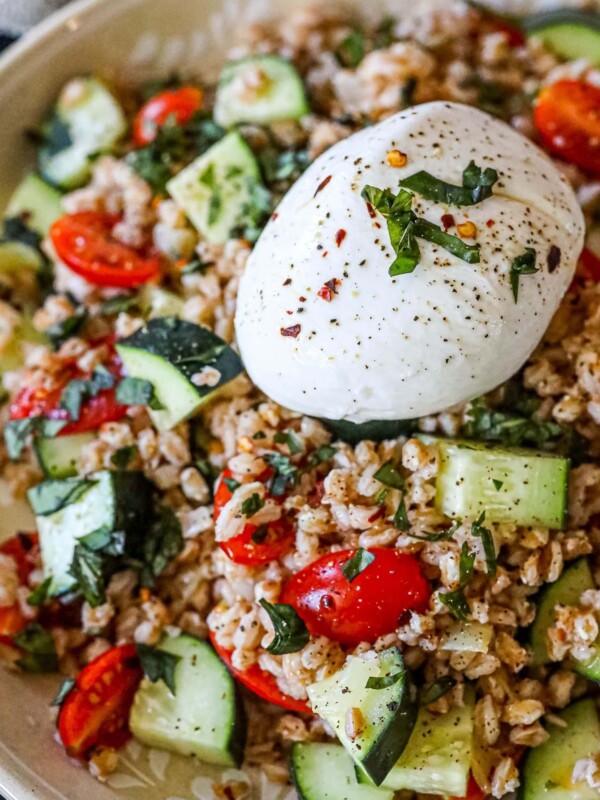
column 261, row 683
column 84, row 242
column 45, row 402
column 95, row 713
column 243, row 549
column 567, row 116
column 474, row 792
column 370, row 606
column 178, row 105
column 24, row 549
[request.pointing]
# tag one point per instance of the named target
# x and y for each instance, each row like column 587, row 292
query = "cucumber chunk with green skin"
column 87, row 120
column 156, row 302
column 171, row 353
column 546, row 773
column 259, row 89
column 58, row 456
column 38, row 203
column 376, row 430
column 326, row 772
column 569, row 32
column 515, row 485
column 204, row 717
column 13, row 355
column 215, row 189
column 17, row 257
column 389, row 713
column 119, row 501
column 437, row 758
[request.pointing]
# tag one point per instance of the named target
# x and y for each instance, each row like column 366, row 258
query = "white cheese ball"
column 399, row 347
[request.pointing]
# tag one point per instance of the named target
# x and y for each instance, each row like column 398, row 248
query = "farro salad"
column 301, row 379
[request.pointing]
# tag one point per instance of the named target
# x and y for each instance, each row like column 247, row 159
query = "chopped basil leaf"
column 253, row 504
column 137, row 392
column 255, row 211
column 61, row 331
column 87, row 568
column 455, row 601
column 384, row 33
column 389, row 475
column 437, row 536
column 286, row 474
column 453, row 244
column 476, row 186
column 260, row 534
column 487, row 541
column 290, row 631
column 104, row 540
column 385, row 681
column 38, row 596
column 290, row 165
column 196, row 265
column 289, row 438
column 437, row 689
column 259, row 435
column 38, row 653
column 122, row 457
column 231, row 484
column 122, row 302
column 80, row 389
column 63, row 692
column 351, row 50
column 497, row 484
column 162, row 543
column 381, row 497
column 54, row 495
column 466, row 564
column 357, row 564
column 158, row 665
column 523, row 264
column 512, row 429
column 16, row 432
column 401, row 517
column 323, row 453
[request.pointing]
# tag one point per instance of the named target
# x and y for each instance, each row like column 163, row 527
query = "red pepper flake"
column 322, row 185
column 289, row 312
column 274, row 215
column 325, row 254
column 447, row 221
column 371, row 210
column 328, row 289
column 340, row 236
column 287, row 281
column 377, row 515
column 292, row 331
column 490, row 223
column 302, row 299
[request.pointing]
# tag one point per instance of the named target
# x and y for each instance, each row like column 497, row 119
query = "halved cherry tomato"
column 173, row 104
column 259, row 681
column 474, row 792
column 243, row 549
column 95, row 713
column 45, row 402
column 567, row 116
column 24, row 549
column 514, row 35
column 84, row 242
column 361, row 610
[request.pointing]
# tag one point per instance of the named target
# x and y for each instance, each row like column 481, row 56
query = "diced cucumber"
column 204, row 717
column 86, row 121
column 468, row 637
column 437, row 758
column 170, row 353
column 547, row 771
column 215, row 189
column 515, row 485
column 119, row 501
column 13, row 355
column 58, row 456
column 38, row 203
column 326, row 772
column 375, row 430
column 17, row 256
column 569, row 32
column 259, row 89
column 566, row 591
column 156, row 302
column 388, row 714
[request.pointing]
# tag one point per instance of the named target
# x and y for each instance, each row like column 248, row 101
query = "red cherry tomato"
column 176, row 104
column 474, row 792
column 259, row 681
column 242, row 549
column 95, row 411
column 84, row 242
column 589, row 265
column 95, row 713
column 370, row 606
column 567, row 116
column 24, row 549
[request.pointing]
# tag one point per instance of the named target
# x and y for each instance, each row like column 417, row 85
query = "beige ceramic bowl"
column 128, row 40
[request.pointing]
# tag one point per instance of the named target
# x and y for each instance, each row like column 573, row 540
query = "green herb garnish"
column 401, row 520
column 389, row 475
column 162, row 543
column 290, row 439
column 38, row 652
column 61, row 331
column 455, row 601
column 137, row 392
column 81, row 389
column 63, row 692
column 291, row 634
column 286, row 474
column 352, row 568
column 16, row 432
column 487, row 540
column 497, row 484
column 39, row 595
column 231, row 484
column 122, row 457
column 523, row 264
column 351, row 50
column 252, row 505
column 158, row 665
column 476, row 186
column 437, row 689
